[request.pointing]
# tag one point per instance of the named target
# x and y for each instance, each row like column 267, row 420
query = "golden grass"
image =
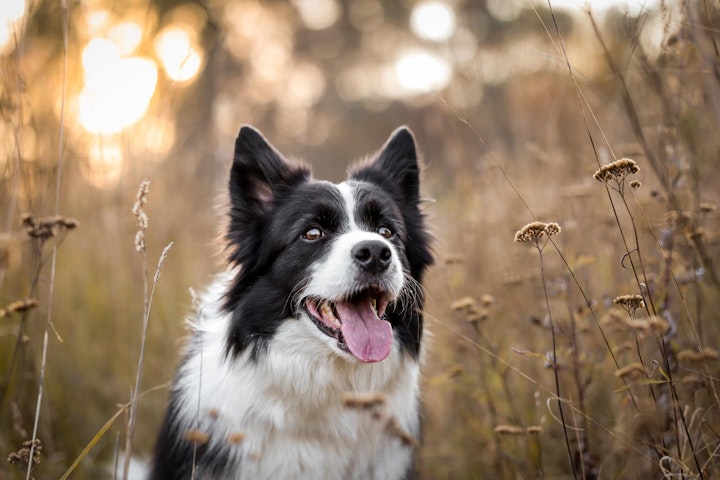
column 599, row 360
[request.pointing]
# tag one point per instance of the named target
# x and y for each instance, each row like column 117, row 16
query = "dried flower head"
column 463, row 304
column 530, row 233
column 197, row 437
column 18, row 306
column 509, row 430
column 235, row 438
column 22, row 456
column 552, row 228
column 487, row 300
column 695, row 356
column 627, row 370
column 706, row 207
column 141, row 197
column 534, row 231
column 617, row 170
column 45, row 228
column 635, row 184
column 396, row 430
column 363, row 401
column 141, row 217
column 630, row 302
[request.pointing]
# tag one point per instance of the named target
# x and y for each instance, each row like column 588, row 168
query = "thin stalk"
column 51, row 287
column 554, row 361
column 138, row 377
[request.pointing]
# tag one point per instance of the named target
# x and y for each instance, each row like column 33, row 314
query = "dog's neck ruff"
column 288, row 405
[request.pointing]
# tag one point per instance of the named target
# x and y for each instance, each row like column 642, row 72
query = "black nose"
column 373, row 256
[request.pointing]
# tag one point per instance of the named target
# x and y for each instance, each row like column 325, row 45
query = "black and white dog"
column 321, row 305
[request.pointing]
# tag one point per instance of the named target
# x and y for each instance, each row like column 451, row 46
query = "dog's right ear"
column 257, row 172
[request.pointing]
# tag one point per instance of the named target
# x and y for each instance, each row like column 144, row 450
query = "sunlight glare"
column 433, row 21
column 11, row 13
column 105, row 164
column 180, row 58
column 317, row 14
column 159, row 136
column 98, row 21
column 419, row 71
column 127, row 36
column 117, row 90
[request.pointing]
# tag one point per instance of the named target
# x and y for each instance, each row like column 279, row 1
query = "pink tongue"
column 367, row 337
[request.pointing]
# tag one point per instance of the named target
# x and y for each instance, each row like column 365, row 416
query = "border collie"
column 304, row 356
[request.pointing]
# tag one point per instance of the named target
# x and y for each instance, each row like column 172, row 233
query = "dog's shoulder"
column 287, row 413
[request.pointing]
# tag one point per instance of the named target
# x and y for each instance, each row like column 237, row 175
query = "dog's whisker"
column 314, row 303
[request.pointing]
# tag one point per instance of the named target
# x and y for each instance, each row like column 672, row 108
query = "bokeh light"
column 419, row 71
column 506, row 10
column 158, row 135
column 366, row 15
column 126, row 36
column 180, row 56
column 318, row 14
column 304, row 86
column 117, row 90
column 11, row 14
column 104, row 163
column 433, row 21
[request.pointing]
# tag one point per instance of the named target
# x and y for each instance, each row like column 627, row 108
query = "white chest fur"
column 284, row 415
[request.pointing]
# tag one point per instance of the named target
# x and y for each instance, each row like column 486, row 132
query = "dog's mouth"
column 357, row 322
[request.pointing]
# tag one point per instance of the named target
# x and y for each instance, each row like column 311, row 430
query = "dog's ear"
column 257, row 172
column 396, row 167
column 396, row 170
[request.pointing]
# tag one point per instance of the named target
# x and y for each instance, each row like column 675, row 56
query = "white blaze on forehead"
column 347, row 190
column 335, row 275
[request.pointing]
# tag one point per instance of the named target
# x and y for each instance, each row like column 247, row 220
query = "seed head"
column 22, row 456
column 509, row 430
column 617, row 170
column 629, row 370
column 363, row 401
column 552, row 228
column 530, row 233
column 141, row 217
column 197, row 437
column 533, row 232
column 630, row 302
column 706, row 207
column 235, row 438
column 695, row 356
column 396, row 430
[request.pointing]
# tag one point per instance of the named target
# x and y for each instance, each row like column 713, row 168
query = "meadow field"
column 572, row 178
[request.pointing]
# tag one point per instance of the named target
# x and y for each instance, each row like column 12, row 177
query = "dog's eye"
column 385, row 232
column 313, row 234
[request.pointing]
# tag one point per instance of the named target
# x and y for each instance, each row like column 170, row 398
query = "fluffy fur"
column 321, row 300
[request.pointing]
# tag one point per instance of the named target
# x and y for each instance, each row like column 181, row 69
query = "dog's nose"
column 373, row 256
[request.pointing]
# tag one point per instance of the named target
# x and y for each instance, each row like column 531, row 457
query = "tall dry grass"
column 601, row 360
column 588, row 353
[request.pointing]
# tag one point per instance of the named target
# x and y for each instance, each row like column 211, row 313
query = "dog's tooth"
column 326, row 310
column 373, row 302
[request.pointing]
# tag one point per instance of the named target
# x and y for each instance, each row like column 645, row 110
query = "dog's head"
column 346, row 260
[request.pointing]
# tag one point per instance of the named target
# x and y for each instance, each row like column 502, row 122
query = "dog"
column 304, row 357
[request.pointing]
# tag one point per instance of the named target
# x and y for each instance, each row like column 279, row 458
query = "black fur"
column 272, row 203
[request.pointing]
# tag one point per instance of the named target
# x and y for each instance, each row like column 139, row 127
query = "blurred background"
column 514, row 103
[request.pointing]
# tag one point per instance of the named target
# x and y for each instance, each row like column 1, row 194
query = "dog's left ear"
column 258, row 170
column 396, row 166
